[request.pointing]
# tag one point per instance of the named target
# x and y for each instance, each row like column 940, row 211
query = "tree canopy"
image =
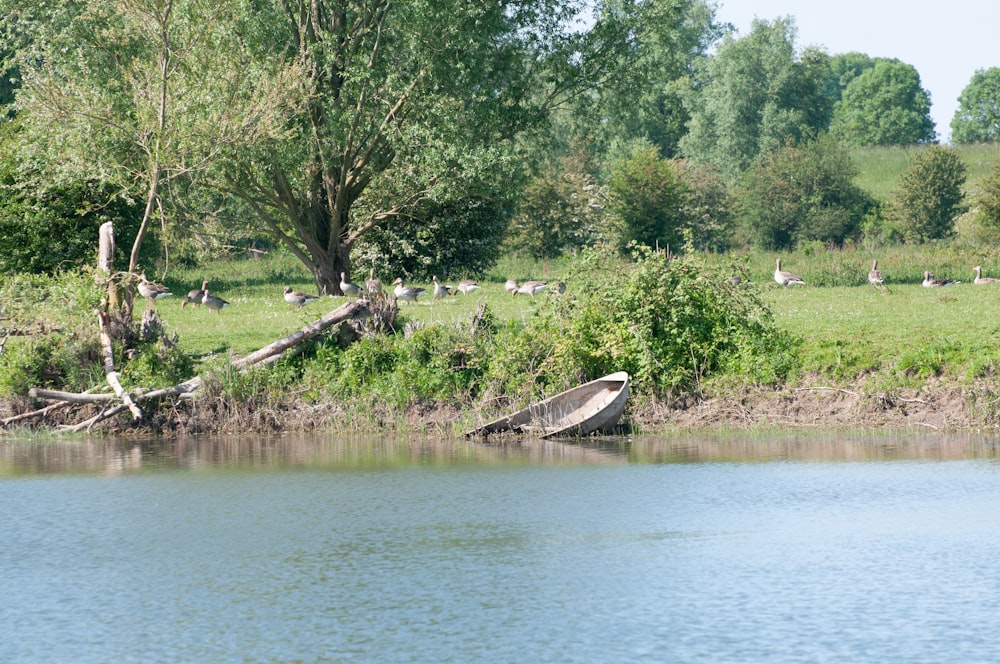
column 754, row 95
column 884, row 105
column 977, row 118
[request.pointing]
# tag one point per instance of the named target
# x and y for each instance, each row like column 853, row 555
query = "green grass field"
column 879, row 168
column 846, row 330
column 257, row 314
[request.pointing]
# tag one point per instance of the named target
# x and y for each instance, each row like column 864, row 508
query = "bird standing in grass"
column 195, row 296
column 151, row 291
column 347, row 288
column 407, row 293
column 785, row 278
column 440, row 290
column 930, row 281
column 466, row 286
column 980, row 280
column 213, row 302
column 298, row 299
column 531, row 288
column 875, row 277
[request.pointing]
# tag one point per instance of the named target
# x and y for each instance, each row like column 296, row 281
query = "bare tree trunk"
column 106, row 263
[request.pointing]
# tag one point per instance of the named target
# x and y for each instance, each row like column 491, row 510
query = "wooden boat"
column 582, row 410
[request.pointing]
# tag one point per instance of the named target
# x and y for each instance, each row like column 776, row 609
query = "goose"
column 980, row 279
column 373, row 285
column 408, row 293
column 785, row 278
column 560, row 288
column 466, row 286
column 875, row 276
column 195, row 296
column 930, row 281
column 213, row 302
column 440, row 290
column 297, row 298
column 152, row 291
column 511, row 287
column 347, row 288
column 531, row 288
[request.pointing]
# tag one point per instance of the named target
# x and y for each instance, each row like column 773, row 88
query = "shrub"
column 929, row 195
column 988, row 207
column 669, row 323
column 803, row 193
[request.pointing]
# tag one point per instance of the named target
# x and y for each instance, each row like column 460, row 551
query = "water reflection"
column 118, row 456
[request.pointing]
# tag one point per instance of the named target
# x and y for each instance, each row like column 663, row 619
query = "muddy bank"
column 936, row 405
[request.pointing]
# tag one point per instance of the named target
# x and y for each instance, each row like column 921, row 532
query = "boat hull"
column 589, row 408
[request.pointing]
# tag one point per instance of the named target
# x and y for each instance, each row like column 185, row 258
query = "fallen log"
column 69, row 397
column 349, row 311
column 187, row 390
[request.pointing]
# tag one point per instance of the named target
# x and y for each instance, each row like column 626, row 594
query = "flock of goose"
column 875, row 278
column 401, row 291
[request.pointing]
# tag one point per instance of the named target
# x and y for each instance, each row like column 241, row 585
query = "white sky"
column 945, row 41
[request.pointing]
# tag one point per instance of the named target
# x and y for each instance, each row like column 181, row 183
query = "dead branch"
column 348, row 311
column 109, row 367
column 822, row 387
column 68, row 397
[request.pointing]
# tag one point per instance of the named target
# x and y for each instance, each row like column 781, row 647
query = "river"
column 823, row 548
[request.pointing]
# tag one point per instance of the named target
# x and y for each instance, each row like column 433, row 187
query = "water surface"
column 394, row 550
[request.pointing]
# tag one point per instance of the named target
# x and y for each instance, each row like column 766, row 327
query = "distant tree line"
column 428, row 137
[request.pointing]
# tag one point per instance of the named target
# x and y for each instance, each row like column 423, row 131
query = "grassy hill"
column 880, row 167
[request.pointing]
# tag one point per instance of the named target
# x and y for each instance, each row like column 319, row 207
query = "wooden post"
column 106, row 262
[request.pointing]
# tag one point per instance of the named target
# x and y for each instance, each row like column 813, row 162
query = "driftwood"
column 109, row 368
column 272, row 352
column 349, row 311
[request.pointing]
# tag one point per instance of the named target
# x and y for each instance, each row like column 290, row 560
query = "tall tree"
column 803, row 192
column 884, row 105
column 977, row 119
column 134, row 93
column 408, row 107
column 752, row 97
column 665, row 41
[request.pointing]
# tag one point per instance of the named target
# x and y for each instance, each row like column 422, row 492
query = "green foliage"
column 430, row 363
column 884, row 105
column 156, row 364
column 929, row 196
column 754, row 97
column 644, row 101
column 977, row 118
column 559, row 210
column 45, row 227
column 645, row 196
column 988, row 208
column 455, row 238
column 708, row 208
column 842, row 69
column 53, row 318
column 669, row 323
column 801, row 194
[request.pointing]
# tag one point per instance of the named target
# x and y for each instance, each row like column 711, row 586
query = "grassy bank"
column 844, row 335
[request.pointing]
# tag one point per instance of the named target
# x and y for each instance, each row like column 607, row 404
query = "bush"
column 45, row 227
column 988, row 207
column 929, row 195
column 669, row 323
column 803, row 193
